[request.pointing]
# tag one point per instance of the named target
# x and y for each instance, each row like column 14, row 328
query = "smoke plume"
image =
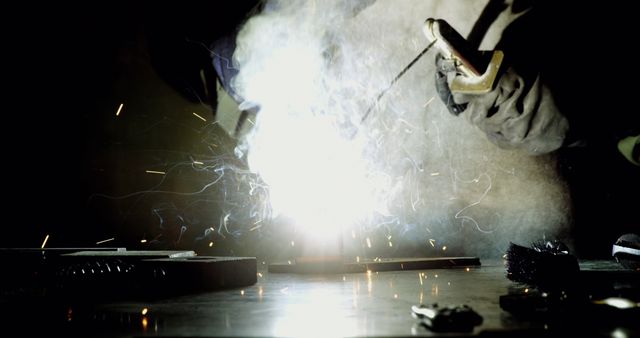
column 411, row 174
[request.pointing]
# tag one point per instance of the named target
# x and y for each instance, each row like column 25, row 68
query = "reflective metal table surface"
column 362, row 304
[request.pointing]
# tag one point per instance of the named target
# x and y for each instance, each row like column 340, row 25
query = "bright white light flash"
column 299, row 317
column 316, row 176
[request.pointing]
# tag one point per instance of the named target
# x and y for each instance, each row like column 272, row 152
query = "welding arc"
column 395, row 79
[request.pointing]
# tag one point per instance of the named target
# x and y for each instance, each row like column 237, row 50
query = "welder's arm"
column 222, row 54
column 517, row 113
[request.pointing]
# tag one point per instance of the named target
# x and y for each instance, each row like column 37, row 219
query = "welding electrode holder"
column 476, row 70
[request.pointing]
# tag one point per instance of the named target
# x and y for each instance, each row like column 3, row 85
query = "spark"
column 225, row 219
column 467, row 269
column 198, row 162
column 155, row 172
column 468, row 218
column 289, row 262
column 105, row 241
column 145, row 323
column 390, row 244
column 444, row 248
column 182, row 231
column 416, row 166
column 241, row 292
column 428, row 102
column 210, row 244
column 408, row 130
column 449, row 283
column 260, row 292
column 368, row 242
column 144, row 311
column 619, row 303
column 119, row 109
column 436, row 276
column 200, row 117
column 420, row 276
column 435, row 174
column 438, row 136
column 143, row 241
column 526, row 290
column 259, row 274
column 432, row 242
column 414, row 203
column 395, row 296
column 44, row 242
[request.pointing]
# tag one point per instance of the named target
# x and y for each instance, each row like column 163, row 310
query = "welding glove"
column 518, row 113
column 445, row 68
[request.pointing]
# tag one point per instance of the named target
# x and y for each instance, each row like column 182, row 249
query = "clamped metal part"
column 447, row 319
column 477, row 70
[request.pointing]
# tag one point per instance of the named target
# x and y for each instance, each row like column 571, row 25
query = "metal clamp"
column 447, row 319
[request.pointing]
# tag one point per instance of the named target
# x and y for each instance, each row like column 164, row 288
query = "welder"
column 544, row 99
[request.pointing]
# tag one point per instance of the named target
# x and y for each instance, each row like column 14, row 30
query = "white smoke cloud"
column 315, row 67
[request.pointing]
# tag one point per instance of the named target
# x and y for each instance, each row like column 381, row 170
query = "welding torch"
column 476, row 71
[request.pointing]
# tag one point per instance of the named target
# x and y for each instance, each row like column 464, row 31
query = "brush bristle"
column 543, row 266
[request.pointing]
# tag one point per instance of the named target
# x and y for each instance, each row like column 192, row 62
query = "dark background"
column 67, row 69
